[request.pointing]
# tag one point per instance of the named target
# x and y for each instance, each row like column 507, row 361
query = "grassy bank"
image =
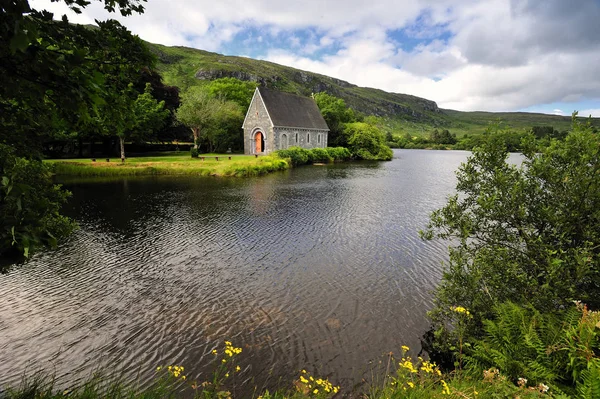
column 238, row 165
column 405, row 377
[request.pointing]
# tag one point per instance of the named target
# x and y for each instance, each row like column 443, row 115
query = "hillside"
column 184, row 67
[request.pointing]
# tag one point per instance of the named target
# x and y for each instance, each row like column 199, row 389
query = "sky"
column 468, row 55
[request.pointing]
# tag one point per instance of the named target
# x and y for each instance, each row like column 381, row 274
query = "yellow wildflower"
column 158, row 368
column 316, row 391
column 214, row 352
column 303, row 380
column 303, row 371
column 405, row 348
column 228, row 343
column 223, row 361
column 445, row 388
column 226, row 375
column 410, row 384
column 237, row 368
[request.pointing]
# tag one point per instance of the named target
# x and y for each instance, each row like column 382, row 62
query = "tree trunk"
column 122, row 143
column 195, row 133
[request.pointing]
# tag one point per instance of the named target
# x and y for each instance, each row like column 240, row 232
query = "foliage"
column 232, row 89
column 319, row 155
column 301, row 156
column 367, row 142
column 208, row 116
column 297, row 155
column 339, row 153
column 194, row 152
column 29, row 206
column 336, row 114
column 54, row 77
column 557, row 349
column 529, row 234
column 442, row 137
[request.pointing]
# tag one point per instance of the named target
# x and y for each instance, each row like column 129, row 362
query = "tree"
column 336, row 114
column 136, row 119
column 528, row 234
column 367, row 142
column 52, row 81
column 232, row 89
column 203, row 113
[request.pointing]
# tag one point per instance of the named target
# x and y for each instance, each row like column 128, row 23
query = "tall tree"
column 528, row 234
column 201, row 112
column 53, row 78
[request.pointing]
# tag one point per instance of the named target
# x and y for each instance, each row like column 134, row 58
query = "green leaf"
column 19, row 42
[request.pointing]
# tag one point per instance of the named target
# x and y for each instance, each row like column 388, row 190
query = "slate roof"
column 291, row 110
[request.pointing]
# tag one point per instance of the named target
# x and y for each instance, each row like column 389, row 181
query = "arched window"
column 296, row 137
column 319, row 139
column 308, row 137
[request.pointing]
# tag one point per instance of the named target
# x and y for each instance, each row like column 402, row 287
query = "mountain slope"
column 184, row 67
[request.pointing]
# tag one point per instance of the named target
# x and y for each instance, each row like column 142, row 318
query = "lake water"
column 319, row 267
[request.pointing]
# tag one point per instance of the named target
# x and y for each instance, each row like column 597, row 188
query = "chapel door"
column 260, row 143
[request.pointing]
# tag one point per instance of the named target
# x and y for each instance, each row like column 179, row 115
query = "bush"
column 339, row 153
column 194, row 152
column 320, row 155
column 367, row 142
column 528, row 234
column 298, row 156
column 558, row 349
column 29, row 206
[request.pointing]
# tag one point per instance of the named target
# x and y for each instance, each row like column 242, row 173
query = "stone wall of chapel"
column 257, row 117
column 304, row 138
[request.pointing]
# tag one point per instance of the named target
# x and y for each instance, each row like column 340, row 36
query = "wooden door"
column 260, row 143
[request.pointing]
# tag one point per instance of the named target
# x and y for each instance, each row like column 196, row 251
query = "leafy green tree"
column 29, row 206
column 367, row 142
column 206, row 115
column 232, row 89
column 336, row 114
column 528, row 234
column 53, row 78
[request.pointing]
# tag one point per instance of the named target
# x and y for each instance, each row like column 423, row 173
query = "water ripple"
column 318, row 268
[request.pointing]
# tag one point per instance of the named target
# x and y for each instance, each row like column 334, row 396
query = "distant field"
column 239, row 165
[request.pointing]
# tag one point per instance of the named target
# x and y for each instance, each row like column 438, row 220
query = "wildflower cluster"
column 461, row 310
column 419, row 373
column 316, row 387
column 174, row 371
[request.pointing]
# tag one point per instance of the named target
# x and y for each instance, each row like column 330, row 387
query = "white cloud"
column 558, row 112
column 595, row 113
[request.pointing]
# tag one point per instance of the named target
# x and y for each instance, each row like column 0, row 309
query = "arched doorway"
column 259, row 139
column 284, row 141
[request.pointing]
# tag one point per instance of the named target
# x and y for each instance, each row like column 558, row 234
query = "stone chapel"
column 278, row 120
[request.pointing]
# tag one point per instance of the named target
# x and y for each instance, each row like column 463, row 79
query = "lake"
column 318, row 267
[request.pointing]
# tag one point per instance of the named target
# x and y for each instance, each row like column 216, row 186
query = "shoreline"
column 237, row 166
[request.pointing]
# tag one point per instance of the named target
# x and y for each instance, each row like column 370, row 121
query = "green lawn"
column 171, row 164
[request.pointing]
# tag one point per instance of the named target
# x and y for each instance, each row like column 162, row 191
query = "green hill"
column 184, row 67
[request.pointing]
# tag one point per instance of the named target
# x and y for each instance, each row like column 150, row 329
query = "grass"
column 239, row 165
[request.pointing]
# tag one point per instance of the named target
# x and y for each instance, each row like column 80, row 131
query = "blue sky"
column 492, row 55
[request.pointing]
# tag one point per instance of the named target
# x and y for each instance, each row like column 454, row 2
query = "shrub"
column 367, row 142
column 194, row 152
column 320, row 155
column 554, row 349
column 339, row 153
column 528, row 234
column 297, row 155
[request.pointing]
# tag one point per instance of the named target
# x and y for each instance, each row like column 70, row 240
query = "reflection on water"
column 318, row 267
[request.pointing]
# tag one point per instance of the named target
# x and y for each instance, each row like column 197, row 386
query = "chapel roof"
column 291, row 110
